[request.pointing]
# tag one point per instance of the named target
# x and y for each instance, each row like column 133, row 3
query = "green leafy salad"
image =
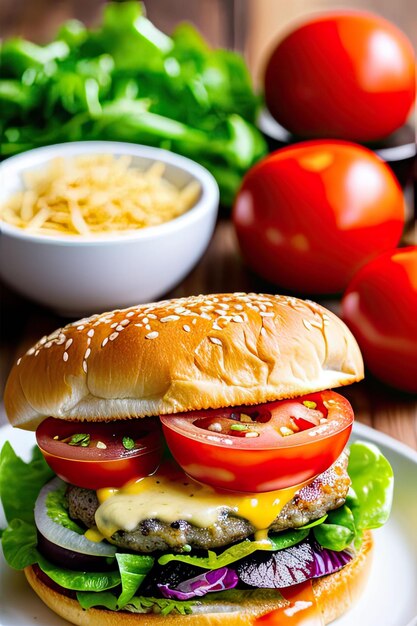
column 128, row 81
column 128, row 581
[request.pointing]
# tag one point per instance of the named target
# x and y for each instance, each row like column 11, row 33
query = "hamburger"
column 192, row 465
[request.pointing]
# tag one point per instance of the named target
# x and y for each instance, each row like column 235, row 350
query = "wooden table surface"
column 220, row 270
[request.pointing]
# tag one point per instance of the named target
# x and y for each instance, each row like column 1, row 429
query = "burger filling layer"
column 169, row 510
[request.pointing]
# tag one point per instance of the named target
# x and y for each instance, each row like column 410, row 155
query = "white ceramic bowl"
column 79, row 276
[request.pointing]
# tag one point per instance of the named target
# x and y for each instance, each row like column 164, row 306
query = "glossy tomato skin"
column 248, row 465
column 380, row 307
column 96, row 468
column 308, row 216
column 347, row 74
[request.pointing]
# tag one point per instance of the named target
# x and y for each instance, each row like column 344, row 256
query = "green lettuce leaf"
column 372, row 485
column 133, row 568
column 105, row 599
column 138, row 604
column 338, row 531
column 19, row 543
column 21, row 482
column 57, row 510
column 288, row 538
column 369, row 501
column 215, row 561
column 79, row 581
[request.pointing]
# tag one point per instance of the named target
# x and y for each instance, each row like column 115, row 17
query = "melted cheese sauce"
column 170, row 495
column 92, row 534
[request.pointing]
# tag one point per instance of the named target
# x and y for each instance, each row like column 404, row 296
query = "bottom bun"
column 334, row 594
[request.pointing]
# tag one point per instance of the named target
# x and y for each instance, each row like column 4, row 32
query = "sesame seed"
column 87, row 353
column 216, row 327
column 90, row 332
column 237, row 318
column 85, row 366
column 114, row 325
column 307, row 324
column 145, row 320
column 130, row 314
column 152, row 335
column 216, row 341
column 65, row 356
column 169, row 318
column 238, row 307
column 152, row 316
column 113, row 336
column 205, row 316
column 81, row 327
column 186, row 328
column 194, row 321
column 179, row 309
column 18, row 362
column 43, row 340
column 216, row 427
column 103, row 343
column 317, row 323
column 119, row 327
column 148, row 327
column 138, row 325
column 69, row 342
column 267, row 314
column 124, row 322
column 263, row 331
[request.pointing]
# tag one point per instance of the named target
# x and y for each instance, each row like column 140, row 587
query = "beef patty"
column 326, row 492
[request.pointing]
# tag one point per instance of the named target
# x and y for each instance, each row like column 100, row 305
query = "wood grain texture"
column 220, row 270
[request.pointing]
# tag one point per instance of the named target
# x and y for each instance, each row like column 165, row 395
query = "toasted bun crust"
column 334, row 594
column 179, row 355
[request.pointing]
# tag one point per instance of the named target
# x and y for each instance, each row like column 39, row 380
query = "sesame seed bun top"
column 178, row 355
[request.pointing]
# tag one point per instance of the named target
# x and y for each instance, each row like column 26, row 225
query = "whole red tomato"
column 380, row 307
column 308, row 216
column 346, row 74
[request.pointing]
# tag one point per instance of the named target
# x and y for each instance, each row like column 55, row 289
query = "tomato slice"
column 100, row 454
column 263, row 447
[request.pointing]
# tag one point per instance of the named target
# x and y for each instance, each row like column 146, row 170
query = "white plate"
column 391, row 595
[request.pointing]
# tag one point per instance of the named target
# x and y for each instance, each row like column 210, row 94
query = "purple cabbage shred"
column 214, row 580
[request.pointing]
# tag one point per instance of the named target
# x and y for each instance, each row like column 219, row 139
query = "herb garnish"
column 310, row 404
column 128, row 443
column 80, row 439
